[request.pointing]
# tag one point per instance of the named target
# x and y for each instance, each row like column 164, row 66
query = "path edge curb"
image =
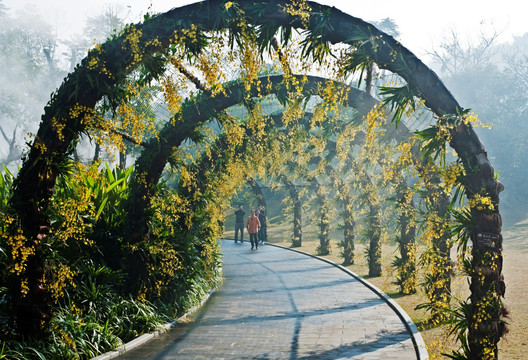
column 142, row 339
column 416, row 336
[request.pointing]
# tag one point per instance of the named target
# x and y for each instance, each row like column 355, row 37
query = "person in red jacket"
column 253, row 225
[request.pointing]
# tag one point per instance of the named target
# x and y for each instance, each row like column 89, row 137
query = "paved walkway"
column 280, row 304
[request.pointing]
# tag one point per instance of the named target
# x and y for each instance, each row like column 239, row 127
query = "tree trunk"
column 122, row 160
column 374, row 258
column 487, row 286
column 368, row 78
column 441, row 278
column 324, row 220
column 348, row 232
column 407, row 267
column 97, row 153
column 297, row 210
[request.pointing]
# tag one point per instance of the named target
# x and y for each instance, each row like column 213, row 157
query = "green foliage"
column 459, row 320
column 315, row 42
column 6, row 181
column 400, row 99
column 92, row 313
column 152, row 68
column 405, row 267
column 462, row 228
column 433, row 143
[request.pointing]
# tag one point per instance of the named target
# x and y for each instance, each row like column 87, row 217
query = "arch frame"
column 65, row 115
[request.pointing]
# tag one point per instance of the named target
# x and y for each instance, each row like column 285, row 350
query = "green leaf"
column 399, row 98
column 101, row 207
column 6, row 170
column 109, row 174
column 113, row 185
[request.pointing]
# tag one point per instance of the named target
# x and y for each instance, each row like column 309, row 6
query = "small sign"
column 487, row 241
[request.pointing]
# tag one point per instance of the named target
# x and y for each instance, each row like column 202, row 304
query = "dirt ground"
column 515, row 270
column 513, row 346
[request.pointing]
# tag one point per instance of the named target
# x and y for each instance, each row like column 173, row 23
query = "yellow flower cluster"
column 94, row 61
column 20, row 251
column 167, row 211
column 373, row 121
column 133, row 40
column 405, row 159
column 480, row 202
column 251, row 64
column 234, row 134
column 131, row 119
column 67, row 340
column 292, row 113
column 407, row 274
column 166, row 263
column 170, row 92
column 332, row 95
column 62, row 277
column 471, row 118
column 83, row 114
column 210, row 65
column 451, row 175
column 299, row 8
column 39, row 145
column 343, row 143
column 186, row 177
column 482, row 309
column 58, row 126
column 72, row 225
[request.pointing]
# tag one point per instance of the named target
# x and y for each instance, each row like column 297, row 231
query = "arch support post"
column 297, row 210
column 374, row 252
column 487, row 287
column 407, row 242
column 485, row 311
column 324, row 220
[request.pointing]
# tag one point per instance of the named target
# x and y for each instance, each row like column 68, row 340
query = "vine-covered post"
column 370, row 199
column 324, row 221
column 437, row 257
column 297, row 211
column 486, row 309
column 349, row 223
column 374, row 252
column 441, row 292
column 348, row 251
column 406, row 264
column 487, row 285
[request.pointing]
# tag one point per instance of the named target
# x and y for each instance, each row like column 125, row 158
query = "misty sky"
column 423, row 23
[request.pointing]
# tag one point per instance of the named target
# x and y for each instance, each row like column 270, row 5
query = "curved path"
column 281, row 304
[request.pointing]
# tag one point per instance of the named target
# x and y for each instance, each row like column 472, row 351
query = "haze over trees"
column 38, row 60
column 30, row 72
column 492, row 78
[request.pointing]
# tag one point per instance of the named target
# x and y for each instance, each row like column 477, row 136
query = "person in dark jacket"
column 263, row 231
column 240, row 216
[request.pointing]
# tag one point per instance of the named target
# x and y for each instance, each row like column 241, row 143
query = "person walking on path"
column 240, row 215
column 253, row 225
column 262, row 233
